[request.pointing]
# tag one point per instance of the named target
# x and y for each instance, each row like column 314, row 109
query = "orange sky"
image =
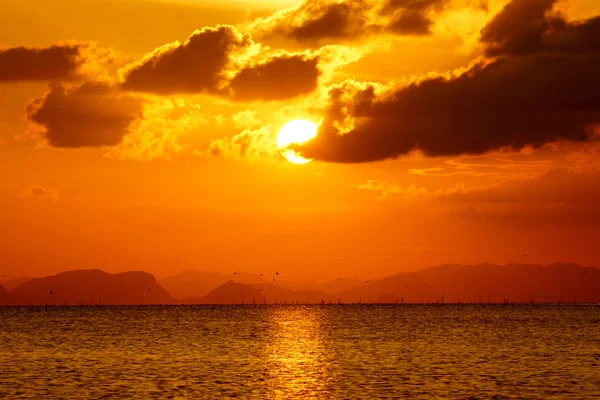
column 447, row 135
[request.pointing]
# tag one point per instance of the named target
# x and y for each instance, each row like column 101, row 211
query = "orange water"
column 369, row 351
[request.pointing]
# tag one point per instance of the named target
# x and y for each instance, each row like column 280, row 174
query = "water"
column 369, row 351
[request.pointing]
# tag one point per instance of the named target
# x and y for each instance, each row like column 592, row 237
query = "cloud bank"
column 64, row 61
column 91, row 114
column 314, row 21
column 548, row 90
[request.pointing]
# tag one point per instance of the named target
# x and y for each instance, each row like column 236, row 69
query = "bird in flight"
column 261, row 274
column 273, row 279
column 51, row 292
column 524, row 255
column 149, row 289
column 276, row 273
column 235, row 273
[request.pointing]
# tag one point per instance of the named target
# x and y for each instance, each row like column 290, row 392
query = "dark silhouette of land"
column 12, row 283
column 514, row 283
column 6, row 297
column 485, row 282
column 197, row 284
column 93, row 287
column 231, row 293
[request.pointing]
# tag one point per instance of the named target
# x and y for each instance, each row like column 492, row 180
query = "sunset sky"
column 142, row 135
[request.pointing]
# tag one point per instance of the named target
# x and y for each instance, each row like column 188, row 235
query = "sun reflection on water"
column 299, row 361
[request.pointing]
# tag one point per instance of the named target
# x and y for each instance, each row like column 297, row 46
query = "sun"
column 295, row 132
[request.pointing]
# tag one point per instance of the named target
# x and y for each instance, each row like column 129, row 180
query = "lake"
column 312, row 351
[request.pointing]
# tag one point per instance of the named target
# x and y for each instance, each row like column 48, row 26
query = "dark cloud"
column 411, row 17
column 212, row 61
column 343, row 20
column 93, row 114
column 58, row 62
column 531, row 26
column 326, row 20
column 197, row 66
column 511, row 102
column 278, row 78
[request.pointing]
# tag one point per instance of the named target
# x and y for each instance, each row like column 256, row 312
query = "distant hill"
column 234, row 293
column 12, row 283
column 332, row 286
column 194, row 283
column 452, row 283
column 230, row 293
column 474, row 283
column 6, row 298
column 93, row 287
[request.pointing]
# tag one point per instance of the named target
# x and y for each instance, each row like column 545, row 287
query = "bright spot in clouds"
column 295, row 132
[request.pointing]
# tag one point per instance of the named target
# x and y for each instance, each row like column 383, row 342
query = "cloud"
column 532, row 26
column 277, row 78
column 96, row 114
column 66, row 61
column 347, row 20
column 557, row 193
column 385, row 189
column 251, row 143
column 91, row 114
column 156, row 134
column 97, row 110
column 499, row 165
column 221, row 61
column 39, row 192
column 217, row 61
column 246, row 119
column 511, row 102
column 199, row 65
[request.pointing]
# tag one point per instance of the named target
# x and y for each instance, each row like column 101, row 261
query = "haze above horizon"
column 147, row 135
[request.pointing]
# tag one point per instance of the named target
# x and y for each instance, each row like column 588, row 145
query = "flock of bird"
column 276, row 274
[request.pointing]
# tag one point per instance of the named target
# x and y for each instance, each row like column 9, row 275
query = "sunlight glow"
column 295, row 132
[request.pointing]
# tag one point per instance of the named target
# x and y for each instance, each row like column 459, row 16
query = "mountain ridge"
column 513, row 282
column 93, row 286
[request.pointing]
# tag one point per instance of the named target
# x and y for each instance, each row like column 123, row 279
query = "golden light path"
column 295, row 132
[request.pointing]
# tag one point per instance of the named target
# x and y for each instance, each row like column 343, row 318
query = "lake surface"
column 348, row 351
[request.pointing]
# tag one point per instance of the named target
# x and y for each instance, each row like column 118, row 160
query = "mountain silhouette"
column 480, row 283
column 559, row 282
column 231, row 293
column 6, row 297
column 193, row 283
column 330, row 287
column 93, row 287
column 11, row 284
